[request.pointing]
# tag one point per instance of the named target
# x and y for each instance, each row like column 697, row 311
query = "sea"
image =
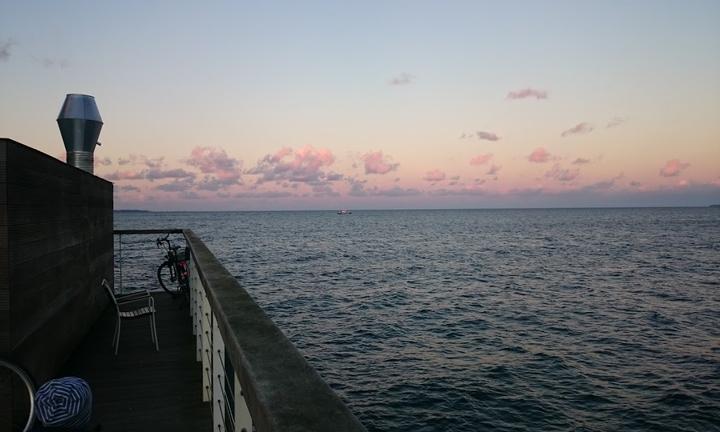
column 473, row 320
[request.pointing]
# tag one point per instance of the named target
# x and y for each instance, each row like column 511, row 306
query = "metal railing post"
column 218, row 375
column 121, row 263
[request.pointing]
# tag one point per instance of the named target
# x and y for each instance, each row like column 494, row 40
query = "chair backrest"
column 109, row 291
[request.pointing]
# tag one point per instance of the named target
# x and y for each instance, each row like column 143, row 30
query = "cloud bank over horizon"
column 306, row 178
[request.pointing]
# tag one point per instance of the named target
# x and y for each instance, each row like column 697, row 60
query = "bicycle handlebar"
column 165, row 242
column 160, row 240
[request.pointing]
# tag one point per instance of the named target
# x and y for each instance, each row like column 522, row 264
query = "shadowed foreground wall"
column 56, row 244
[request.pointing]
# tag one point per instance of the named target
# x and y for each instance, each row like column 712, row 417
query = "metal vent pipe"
column 80, row 123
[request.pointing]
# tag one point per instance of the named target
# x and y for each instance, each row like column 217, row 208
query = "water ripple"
column 540, row 320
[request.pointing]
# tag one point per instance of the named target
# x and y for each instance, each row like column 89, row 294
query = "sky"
column 377, row 104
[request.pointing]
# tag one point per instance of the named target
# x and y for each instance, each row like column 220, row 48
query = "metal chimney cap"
column 80, row 124
column 80, row 106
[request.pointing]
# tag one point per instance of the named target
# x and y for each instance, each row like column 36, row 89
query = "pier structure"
column 223, row 365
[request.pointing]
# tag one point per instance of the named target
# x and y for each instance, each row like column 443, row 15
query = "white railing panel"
column 206, row 335
column 218, row 375
column 198, row 289
column 193, row 283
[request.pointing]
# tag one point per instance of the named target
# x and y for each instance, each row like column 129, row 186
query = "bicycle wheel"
column 29, row 386
column 168, row 279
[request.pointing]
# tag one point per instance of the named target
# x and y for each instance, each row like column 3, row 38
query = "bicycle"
column 174, row 273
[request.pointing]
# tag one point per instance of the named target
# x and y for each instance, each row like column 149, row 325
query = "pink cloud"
column 280, row 154
column 563, row 175
column 673, row 168
column 125, row 175
column 216, row 162
column 481, row 159
column 581, row 161
column 527, row 93
column 578, row 129
column 376, row 163
column 539, row 155
column 434, row 176
column 221, row 171
column 305, row 165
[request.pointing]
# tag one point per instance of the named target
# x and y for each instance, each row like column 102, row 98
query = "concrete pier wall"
column 56, row 245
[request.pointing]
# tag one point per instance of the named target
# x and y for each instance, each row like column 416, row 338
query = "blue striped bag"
column 64, row 402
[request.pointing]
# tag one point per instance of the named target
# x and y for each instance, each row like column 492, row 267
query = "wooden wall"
column 56, row 245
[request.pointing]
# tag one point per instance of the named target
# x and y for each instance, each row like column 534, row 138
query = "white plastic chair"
column 123, row 313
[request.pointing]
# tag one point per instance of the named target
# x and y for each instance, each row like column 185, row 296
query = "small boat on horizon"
column 344, row 212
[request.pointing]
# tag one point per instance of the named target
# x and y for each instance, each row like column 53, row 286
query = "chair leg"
column 154, row 330
column 117, row 322
column 117, row 340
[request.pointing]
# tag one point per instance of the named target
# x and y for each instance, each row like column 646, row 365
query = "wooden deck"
column 141, row 389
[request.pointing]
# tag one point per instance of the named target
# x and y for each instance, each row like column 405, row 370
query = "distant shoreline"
column 417, row 209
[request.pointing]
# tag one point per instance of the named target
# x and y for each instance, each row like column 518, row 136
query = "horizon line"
column 418, row 209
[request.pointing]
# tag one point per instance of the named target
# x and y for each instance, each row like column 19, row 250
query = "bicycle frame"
column 179, row 269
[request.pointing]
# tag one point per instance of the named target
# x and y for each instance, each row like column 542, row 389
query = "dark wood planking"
column 4, row 289
column 141, row 389
column 6, row 393
column 56, row 244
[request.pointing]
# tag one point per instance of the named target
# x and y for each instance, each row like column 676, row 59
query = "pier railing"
column 253, row 376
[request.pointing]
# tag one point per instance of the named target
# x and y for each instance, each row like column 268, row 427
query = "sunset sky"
column 392, row 104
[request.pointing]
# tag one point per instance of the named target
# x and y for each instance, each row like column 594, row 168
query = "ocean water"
column 502, row 320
